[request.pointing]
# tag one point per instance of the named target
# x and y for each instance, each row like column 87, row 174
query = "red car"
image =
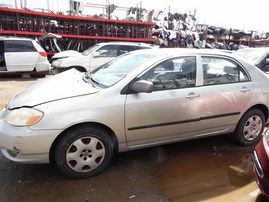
column 261, row 163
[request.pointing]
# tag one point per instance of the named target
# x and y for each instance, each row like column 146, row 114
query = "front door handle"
column 192, row 95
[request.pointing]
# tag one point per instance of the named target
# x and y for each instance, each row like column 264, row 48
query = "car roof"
column 124, row 43
column 175, row 51
column 253, row 49
column 15, row 38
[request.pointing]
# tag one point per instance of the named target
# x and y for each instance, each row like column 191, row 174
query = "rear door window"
column 221, row 71
column 19, row 46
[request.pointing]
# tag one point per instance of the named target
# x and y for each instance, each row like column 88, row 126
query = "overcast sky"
column 238, row 14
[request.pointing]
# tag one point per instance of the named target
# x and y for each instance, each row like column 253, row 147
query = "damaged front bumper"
column 24, row 145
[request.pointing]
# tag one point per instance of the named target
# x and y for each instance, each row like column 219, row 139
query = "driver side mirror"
column 96, row 54
column 142, row 86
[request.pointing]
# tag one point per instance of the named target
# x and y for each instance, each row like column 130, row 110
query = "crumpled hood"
column 64, row 54
column 60, row 86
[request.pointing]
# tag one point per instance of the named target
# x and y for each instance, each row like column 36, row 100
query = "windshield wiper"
column 88, row 79
column 94, row 81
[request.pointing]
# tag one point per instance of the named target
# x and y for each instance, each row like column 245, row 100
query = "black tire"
column 84, row 152
column 250, row 127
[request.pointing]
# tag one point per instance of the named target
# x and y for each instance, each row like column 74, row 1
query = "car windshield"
column 113, row 71
column 250, row 54
column 90, row 50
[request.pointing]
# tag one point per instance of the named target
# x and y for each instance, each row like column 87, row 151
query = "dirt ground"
column 11, row 85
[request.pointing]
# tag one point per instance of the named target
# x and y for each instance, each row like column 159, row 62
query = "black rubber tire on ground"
column 250, row 127
column 84, row 152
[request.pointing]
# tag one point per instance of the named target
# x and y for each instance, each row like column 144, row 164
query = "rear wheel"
column 250, row 127
column 83, row 152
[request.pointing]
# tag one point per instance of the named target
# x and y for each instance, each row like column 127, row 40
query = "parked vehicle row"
column 24, row 55
column 93, row 57
column 141, row 99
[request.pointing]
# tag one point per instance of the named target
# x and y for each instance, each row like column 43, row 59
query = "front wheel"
column 250, row 127
column 83, row 152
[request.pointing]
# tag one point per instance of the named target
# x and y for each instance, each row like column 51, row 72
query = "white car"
column 93, row 57
column 22, row 55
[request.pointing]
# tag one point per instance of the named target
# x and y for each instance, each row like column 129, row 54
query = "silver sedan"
column 141, row 99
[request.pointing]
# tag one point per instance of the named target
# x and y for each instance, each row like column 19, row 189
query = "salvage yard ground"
column 11, row 85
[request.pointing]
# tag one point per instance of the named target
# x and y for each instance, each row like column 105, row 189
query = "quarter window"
column 221, row 71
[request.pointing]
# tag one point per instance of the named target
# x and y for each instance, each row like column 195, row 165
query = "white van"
column 93, row 57
column 22, row 55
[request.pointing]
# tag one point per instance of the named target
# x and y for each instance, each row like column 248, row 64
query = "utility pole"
column 21, row 2
column 140, row 11
column 108, row 10
column 48, row 4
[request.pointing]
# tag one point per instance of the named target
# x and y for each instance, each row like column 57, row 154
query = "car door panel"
column 160, row 116
column 20, row 55
column 221, row 106
column 24, row 61
column 225, row 94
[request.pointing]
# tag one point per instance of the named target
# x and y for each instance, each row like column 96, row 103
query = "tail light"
column 44, row 54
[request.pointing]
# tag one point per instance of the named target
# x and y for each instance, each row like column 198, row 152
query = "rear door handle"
column 245, row 89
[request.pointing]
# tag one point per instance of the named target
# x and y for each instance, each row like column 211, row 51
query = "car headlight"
column 24, row 117
column 56, row 63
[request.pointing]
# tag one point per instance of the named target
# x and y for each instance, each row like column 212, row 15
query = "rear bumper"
column 43, row 66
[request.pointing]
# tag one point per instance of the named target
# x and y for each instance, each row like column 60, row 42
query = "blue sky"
column 237, row 14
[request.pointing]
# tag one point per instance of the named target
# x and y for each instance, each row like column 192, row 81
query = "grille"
column 258, row 166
